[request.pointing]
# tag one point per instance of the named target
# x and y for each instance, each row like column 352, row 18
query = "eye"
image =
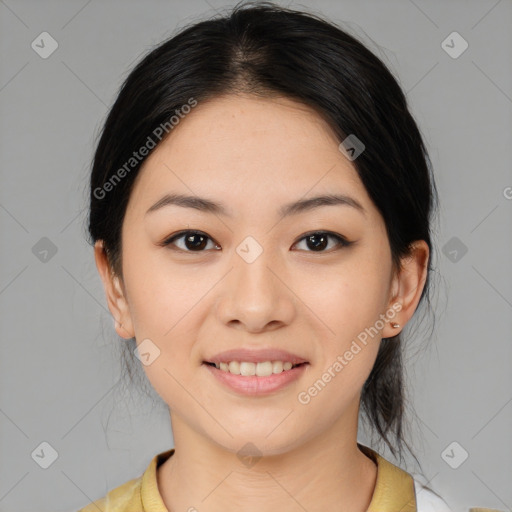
column 197, row 241
column 194, row 241
column 318, row 240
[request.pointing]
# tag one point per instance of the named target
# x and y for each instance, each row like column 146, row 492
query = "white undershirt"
column 428, row 501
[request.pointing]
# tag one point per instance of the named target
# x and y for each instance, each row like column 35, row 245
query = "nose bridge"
column 252, row 294
column 251, row 262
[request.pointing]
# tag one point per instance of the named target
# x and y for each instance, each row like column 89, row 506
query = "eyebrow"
column 302, row 205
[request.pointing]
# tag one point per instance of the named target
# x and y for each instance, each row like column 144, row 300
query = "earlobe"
column 116, row 300
column 408, row 286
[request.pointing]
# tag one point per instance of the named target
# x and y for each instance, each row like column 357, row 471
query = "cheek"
column 348, row 297
column 158, row 294
column 348, row 302
column 349, row 346
column 166, row 307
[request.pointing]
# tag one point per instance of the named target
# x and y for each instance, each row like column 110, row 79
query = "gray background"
column 60, row 363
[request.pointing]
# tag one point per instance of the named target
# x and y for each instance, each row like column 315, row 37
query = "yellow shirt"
column 394, row 489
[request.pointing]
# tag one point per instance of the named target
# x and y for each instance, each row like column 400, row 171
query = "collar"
column 394, row 487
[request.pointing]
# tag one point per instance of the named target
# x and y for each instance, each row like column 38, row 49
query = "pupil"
column 321, row 244
column 189, row 241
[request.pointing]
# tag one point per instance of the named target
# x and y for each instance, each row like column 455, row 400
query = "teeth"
column 263, row 369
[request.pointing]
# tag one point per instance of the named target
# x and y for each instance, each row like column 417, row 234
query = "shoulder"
column 427, row 500
column 136, row 495
column 124, row 498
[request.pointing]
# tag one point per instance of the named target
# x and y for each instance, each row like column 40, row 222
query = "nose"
column 255, row 296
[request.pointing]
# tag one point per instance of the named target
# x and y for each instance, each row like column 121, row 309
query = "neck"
column 326, row 472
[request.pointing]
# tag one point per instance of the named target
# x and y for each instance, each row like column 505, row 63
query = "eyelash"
column 342, row 242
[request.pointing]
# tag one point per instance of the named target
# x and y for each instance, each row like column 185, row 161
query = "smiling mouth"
column 253, row 369
column 293, row 366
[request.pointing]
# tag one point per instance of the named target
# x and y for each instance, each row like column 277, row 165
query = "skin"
column 254, row 155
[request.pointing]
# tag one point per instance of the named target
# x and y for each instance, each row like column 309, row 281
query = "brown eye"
column 193, row 241
column 319, row 240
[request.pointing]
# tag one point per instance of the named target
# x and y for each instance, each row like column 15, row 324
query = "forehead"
column 246, row 150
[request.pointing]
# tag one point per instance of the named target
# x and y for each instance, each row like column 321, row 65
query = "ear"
column 407, row 286
column 116, row 299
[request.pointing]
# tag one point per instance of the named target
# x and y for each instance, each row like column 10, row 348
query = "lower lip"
column 254, row 385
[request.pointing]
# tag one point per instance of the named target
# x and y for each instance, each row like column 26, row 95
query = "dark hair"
column 268, row 50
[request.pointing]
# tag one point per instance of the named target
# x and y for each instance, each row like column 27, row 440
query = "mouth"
column 256, row 379
column 217, row 364
column 250, row 369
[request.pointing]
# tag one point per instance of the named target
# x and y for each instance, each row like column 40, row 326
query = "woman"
column 261, row 207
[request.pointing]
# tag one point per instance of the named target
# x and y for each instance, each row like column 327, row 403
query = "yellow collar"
column 394, row 489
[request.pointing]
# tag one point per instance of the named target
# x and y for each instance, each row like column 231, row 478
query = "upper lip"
column 255, row 356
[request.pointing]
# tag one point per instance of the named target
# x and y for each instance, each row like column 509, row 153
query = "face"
column 308, row 282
